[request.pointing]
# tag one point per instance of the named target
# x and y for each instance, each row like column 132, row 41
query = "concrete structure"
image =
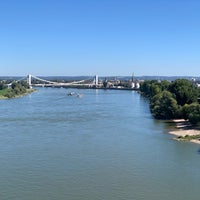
column 96, row 80
column 29, row 80
column 92, row 82
column 137, row 86
column 132, row 85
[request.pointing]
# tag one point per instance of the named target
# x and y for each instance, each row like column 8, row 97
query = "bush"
column 191, row 112
column 164, row 106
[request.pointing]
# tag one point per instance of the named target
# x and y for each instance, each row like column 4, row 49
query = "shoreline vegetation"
column 14, row 90
column 177, row 101
column 28, row 91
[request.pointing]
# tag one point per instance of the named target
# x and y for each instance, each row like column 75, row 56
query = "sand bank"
column 184, row 128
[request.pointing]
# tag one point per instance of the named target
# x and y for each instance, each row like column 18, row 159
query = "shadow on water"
column 198, row 151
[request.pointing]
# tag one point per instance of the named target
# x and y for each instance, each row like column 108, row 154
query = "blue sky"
column 104, row 37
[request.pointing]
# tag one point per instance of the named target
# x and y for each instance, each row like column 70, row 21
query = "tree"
column 155, row 89
column 14, row 85
column 105, row 83
column 164, row 85
column 167, row 99
column 191, row 112
column 185, row 91
column 164, row 106
column 24, row 84
column 150, row 88
column 18, row 88
column 2, row 85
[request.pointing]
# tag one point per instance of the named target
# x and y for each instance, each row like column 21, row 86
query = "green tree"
column 184, row 91
column 164, row 85
column 150, row 88
column 18, row 88
column 164, row 106
column 155, row 89
column 191, row 112
column 24, row 84
column 2, row 85
column 15, row 85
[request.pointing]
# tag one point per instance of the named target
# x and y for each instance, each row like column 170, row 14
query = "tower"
column 29, row 80
column 96, row 80
column 133, row 77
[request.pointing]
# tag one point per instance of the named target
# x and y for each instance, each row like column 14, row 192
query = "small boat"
column 79, row 95
column 70, row 93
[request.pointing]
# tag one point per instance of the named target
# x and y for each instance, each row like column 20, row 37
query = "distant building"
column 137, row 86
column 134, row 84
column 198, row 85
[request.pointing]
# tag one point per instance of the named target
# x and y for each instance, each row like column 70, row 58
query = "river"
column 103, row 146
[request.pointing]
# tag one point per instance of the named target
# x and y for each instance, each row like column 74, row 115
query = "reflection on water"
column 104, row 145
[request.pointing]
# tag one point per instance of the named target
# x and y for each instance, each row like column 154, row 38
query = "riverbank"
column 185, row 131
column 28, row 91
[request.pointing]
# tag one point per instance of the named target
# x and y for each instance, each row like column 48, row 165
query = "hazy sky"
column 104, row 37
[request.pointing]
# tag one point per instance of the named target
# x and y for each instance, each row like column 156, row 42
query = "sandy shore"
column 184, row 128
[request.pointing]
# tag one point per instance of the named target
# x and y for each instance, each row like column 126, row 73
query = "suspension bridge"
column 34, row 81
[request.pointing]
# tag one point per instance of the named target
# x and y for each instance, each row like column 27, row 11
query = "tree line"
column 173, row 100
column 16, row 89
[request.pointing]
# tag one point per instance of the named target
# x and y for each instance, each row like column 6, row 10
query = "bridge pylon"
column 29, row 80
column 96, row 80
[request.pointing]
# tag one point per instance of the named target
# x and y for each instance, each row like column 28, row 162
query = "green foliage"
column 185, row 91
column 164, row 106
column 151, row 88
column 189, row 137
column 191, row 112
column 17, row 89
column 24, row 84
column 173, row 100
column 15, row 85
column 3, row 92
column 164, row 85
column 9, row 93
column 2, row 85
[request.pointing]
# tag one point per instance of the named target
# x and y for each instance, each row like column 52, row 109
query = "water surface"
column 103, row 146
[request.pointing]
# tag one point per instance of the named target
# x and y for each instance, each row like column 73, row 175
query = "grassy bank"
column 189, row 137
column 3, row 92
column 8, row 93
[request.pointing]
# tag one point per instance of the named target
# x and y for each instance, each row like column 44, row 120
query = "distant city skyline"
column 107, row 37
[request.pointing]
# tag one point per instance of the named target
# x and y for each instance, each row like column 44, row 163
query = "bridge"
column 91, row 82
